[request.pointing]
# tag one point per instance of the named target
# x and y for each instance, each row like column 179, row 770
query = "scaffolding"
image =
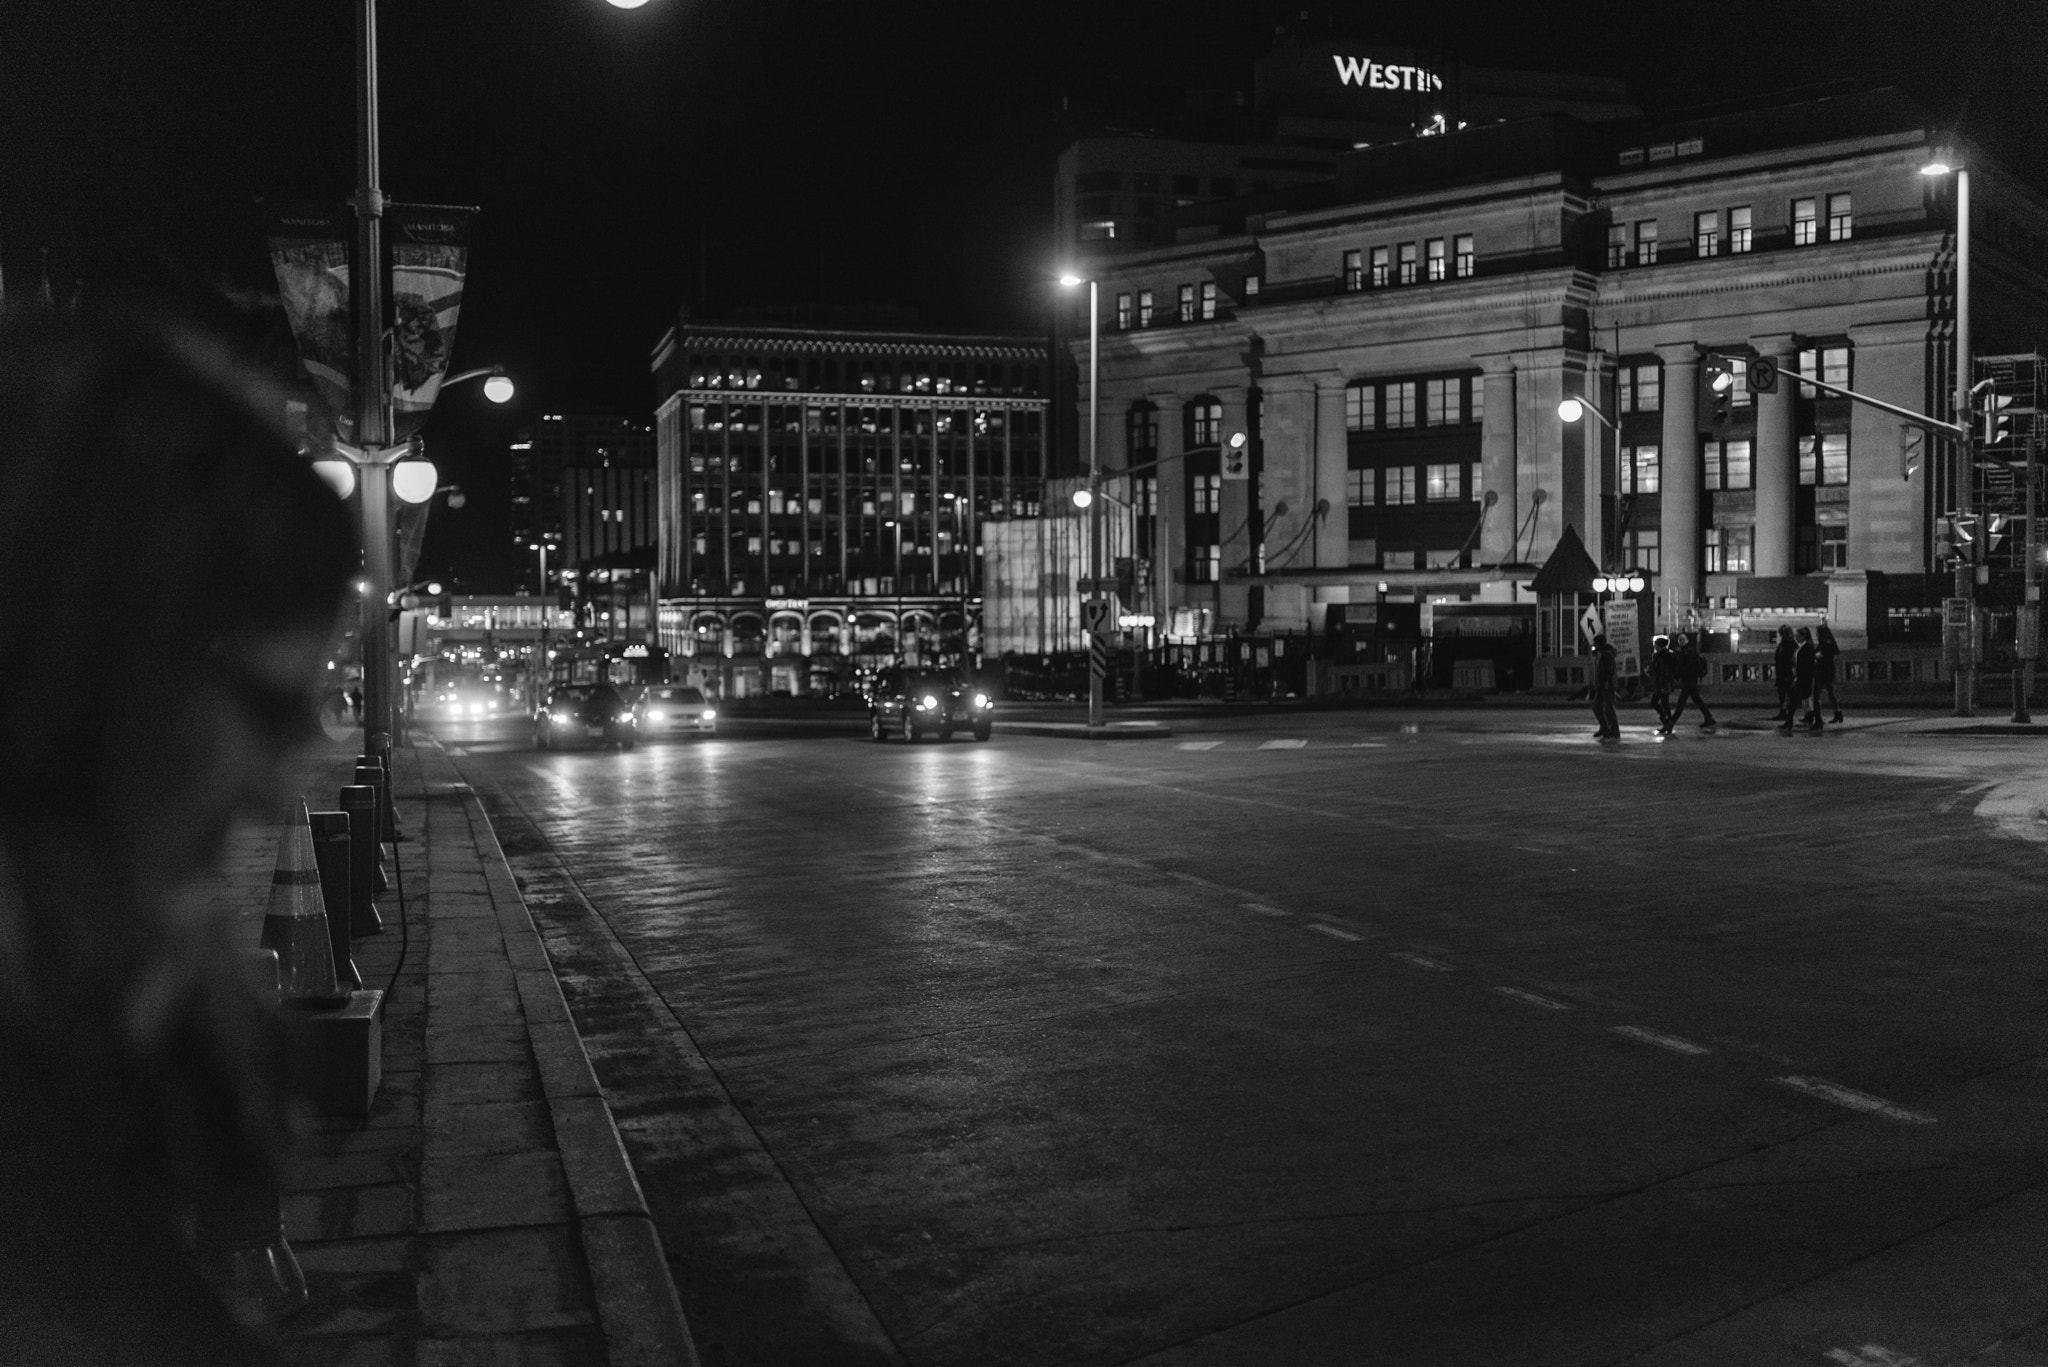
column 2012, row 395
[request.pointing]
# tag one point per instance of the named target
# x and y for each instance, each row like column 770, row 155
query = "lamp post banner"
column 310, row 250
column 429, row 247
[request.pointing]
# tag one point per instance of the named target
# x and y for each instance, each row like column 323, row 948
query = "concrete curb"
column 637, row 1304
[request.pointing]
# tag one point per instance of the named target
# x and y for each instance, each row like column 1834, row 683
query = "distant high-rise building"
column 583, row 486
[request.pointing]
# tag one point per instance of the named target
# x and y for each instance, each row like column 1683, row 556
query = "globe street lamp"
column 1096, row 662
column 1966, row 570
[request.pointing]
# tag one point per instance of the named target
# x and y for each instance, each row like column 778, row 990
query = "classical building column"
column 1777, row 467
column 1680, row 584
column 1333, row 462
column 1540, row 467
column 1291, row 470
column 1170, row 532
column 1497, row 462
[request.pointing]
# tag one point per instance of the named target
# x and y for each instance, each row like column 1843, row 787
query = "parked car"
column 584, row 714
column 676, row 710
column 914, row 705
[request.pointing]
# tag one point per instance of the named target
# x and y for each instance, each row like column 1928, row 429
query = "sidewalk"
column 484, row 1212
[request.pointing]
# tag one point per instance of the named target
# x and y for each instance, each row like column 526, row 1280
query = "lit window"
column 1361, row 407
column 754, row 545
column 1477, row 411
column 1208, row 564
column 1144, row 308
column 1834, row 366
column 1440, row 483
column 1646, row 242
column 1398, row 560
column 1208, row 493
column 1098, row 230
column 1805, row 222
column 1841, row 223
column 1617, row 245
column 1640, row 470
column 1251, row 287
column 1641, row 551
column 1738, row 230
column 1382, row 275
column 1208, row 423
column 1739, row 540
column 1434, row 255
column 1208, row 299
column 1706, row 233
column 1400, row 484
column 1834, row 457
column 1738, row 391
column 1407, row 263
column 1354, row 271
column 1400, row 409
column 1716, row 552
column 1735, row 464
column 1123, row 311
column 1362, row 487
column 1187, row 303
column 1834, row 545
column 1440, row 402
column 1463, row 260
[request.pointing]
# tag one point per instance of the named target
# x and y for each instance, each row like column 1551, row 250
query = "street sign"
column 1621, row 634
column 1955, row 612
column 1589, row 624
column 1095, row 616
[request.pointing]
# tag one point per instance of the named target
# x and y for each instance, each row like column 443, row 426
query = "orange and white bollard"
column 295, row 923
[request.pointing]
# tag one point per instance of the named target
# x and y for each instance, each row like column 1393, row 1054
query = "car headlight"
column 928, row 701
column 981, row 700
column 476, row 709
column 709, row 713
column 493, row 704
column 657, row 715
column 625, row 716
column 560, row 718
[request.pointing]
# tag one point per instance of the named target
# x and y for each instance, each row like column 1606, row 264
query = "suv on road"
column 584, row 714
column 913, row 705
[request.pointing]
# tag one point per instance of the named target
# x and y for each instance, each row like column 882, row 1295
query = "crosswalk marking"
column 1853, row 1099
column 1284, row 745
column 1333, row 932
column 1200, row 744
column 1532, row 998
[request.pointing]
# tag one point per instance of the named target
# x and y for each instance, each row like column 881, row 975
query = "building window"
column 1187, row 303
column 1824, row 459
column 1805, row 222
column 1354, row 271
column 1727, row 464
column 1646, row 242
column 1640, row 550
column 1141, row 430
column 1208, row 299
column 1208, row 493
column 1145, row 495
column 1642, row 388
column 1827, row 363
column 1440, row 483
column 1407, row 263
column 1381, row 274
column 1738, row 230
column 1841, row 223
column 1617, row 246
column 1738, row 389
column 1463, row 260
column 1251, row 287
column 1706, row 233
column 1362, row 487
column 1361, row 407
column 1208, row 423
column 1834, row 545
column 1439, row 263
column 1440, row 401
column 1208, row 566
column 1400, row 406
column 1144, row 308
column 1736, row 560
column 1476, row 407
column 1098, row 230
column 1123, row 312
column 1640, row 470
column 1398, row 560
column 1400, row 484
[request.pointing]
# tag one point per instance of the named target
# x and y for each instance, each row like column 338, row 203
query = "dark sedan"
column 913, row 705
column 584, row 714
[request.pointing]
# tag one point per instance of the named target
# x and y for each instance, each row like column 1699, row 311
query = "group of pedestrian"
column 1804, row 668
column 1683, row 669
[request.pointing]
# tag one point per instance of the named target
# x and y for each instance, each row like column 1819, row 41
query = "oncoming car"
column 674, row 710
column 912, row 705
column 457, row 701
column 584, row 714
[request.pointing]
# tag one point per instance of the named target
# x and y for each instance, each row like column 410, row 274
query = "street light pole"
column 1966, row 573
column 1097, row 666
column 373, row 430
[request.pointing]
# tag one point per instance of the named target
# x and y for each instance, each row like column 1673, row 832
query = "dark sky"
column 736, row 151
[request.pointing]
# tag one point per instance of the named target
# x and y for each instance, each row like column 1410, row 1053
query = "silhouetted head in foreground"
column 170, row 576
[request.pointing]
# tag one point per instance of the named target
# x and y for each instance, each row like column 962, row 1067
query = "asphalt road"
column 1437, row 1038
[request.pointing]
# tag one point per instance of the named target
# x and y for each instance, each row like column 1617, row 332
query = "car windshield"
column 680, row 695
column 935, row 683
column 581, row 695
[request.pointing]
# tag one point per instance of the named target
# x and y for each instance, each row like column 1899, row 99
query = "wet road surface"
column 1334, row 1038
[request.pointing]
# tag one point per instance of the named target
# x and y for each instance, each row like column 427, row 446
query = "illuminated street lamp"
column 1090, row 504
column 1575, row 407
column 1966, row 570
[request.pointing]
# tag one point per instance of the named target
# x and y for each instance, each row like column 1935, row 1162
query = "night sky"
column 767, row 151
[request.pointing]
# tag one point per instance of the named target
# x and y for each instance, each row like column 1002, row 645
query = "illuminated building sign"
column 1372, row 75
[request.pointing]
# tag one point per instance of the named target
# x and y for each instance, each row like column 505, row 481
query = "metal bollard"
column 359, row 801
column 331, row 849
column 370, row 774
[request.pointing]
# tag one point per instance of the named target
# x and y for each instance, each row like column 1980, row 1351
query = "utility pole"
column 1966, row 457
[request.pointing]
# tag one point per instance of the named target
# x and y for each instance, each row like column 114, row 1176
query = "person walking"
column 1603, row 689
column 1663, row 673
column 1825, row 650
column 1784, row 666
column 1802, row 683
column 1691, row 671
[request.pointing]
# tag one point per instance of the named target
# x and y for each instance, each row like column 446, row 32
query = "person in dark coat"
column 1784, row 667
column 1663, row 673
column 1692, row 671
column 1802, row 682
column 1824, row 652
column 1603, row 687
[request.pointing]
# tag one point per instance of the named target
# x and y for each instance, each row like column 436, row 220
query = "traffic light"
column 1912, row 444
column 1236, row 457
column 1717, row 388
column 1763, row 375
column 1997, row 422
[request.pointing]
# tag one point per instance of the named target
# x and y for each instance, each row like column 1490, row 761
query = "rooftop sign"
column 1375, row 75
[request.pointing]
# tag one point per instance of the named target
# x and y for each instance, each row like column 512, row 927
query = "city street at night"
column 1430, row 1037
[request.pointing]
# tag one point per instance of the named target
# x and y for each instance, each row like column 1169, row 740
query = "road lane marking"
column 1283, row 745
column 1262, row 909
column 1333, row 932
column 1853, row 1099
column 1662, row 1040
column 1368, row 745
column 1870, row 1355
column 1422, row 961
column 1200, row 744
column 1532, row 998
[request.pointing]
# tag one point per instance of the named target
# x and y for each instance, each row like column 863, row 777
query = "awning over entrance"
column 1569, row 569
